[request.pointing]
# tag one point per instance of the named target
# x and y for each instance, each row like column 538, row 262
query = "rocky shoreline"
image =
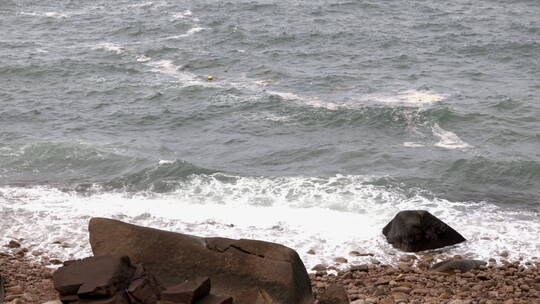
column 408, row 282
column 131, row 263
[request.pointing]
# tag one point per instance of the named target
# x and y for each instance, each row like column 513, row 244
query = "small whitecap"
column 108, row 46
column 143, row 58
column 409, row 97
column 304, row 100
column 190, row 32
column 411, row 144
column 163, row 162
column 56, row 15
column 182, row 14
column 141, row 5
column 447, row 139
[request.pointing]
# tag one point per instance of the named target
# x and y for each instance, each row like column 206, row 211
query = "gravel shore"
column 408, row 282
column 24, row 280
column 412, row 282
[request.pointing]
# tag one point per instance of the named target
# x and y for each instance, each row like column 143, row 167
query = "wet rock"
column 187, row 292
column 55, row 261
column 454, row 265
column 362, row 267
column 232, row 265
column 94, row 277
column 341, row 260
column 13, row 244
column 417, row 230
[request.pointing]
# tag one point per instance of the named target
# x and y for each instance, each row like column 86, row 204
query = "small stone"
column 420, row 291
column 402, row 289
column 55, row 261
column 341, row 260
column 524, row 287
column 504, row 254
column 382, row 282
column 371, row 301
column 13, row 244
column 334, row 294
column 311, row 251
column 37, row 253
column 319, row 267
column 362, row 267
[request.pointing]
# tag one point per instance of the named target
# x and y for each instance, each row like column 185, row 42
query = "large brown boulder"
column 234, row 266
column 417, row 230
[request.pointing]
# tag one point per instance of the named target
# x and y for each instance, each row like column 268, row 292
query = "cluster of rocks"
column 442, row 283
column 24, row 281
column 114, row 279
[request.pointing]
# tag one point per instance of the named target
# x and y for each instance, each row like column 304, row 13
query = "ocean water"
column 323, row 120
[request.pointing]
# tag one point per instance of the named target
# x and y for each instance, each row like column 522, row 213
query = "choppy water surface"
column 323, row 120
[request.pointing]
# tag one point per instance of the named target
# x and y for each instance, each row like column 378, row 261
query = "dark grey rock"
column 417, row 230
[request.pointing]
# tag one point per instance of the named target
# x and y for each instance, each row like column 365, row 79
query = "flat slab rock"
column 454, row 265
column 234, row 266
column 94, row 277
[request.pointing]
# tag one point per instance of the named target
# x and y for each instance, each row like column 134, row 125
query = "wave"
column 64, row 162
column 165, row 176
column 331, row 215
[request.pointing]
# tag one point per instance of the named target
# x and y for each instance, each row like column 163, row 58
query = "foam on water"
column 190, row 32
column 109, row 46
column 332, row 216
column 56, row 15
column 447, row 139
column 181, row 15
column 408, row 98
column 411, row 144
column 310, row 101
column 142, row 4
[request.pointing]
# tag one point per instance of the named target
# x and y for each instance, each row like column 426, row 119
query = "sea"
column 323, row 119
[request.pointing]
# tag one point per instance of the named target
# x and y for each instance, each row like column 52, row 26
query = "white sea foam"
column 167, row 67
column 142, row 4
column 412, row 144
column 447, row 139
column 182, row 14
column 408, row 97
column 190, row 32
column 163, row 162
column 109, row 46
column 329, row 215
column 143, row 58
column 304, row 100
column 56, row 15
